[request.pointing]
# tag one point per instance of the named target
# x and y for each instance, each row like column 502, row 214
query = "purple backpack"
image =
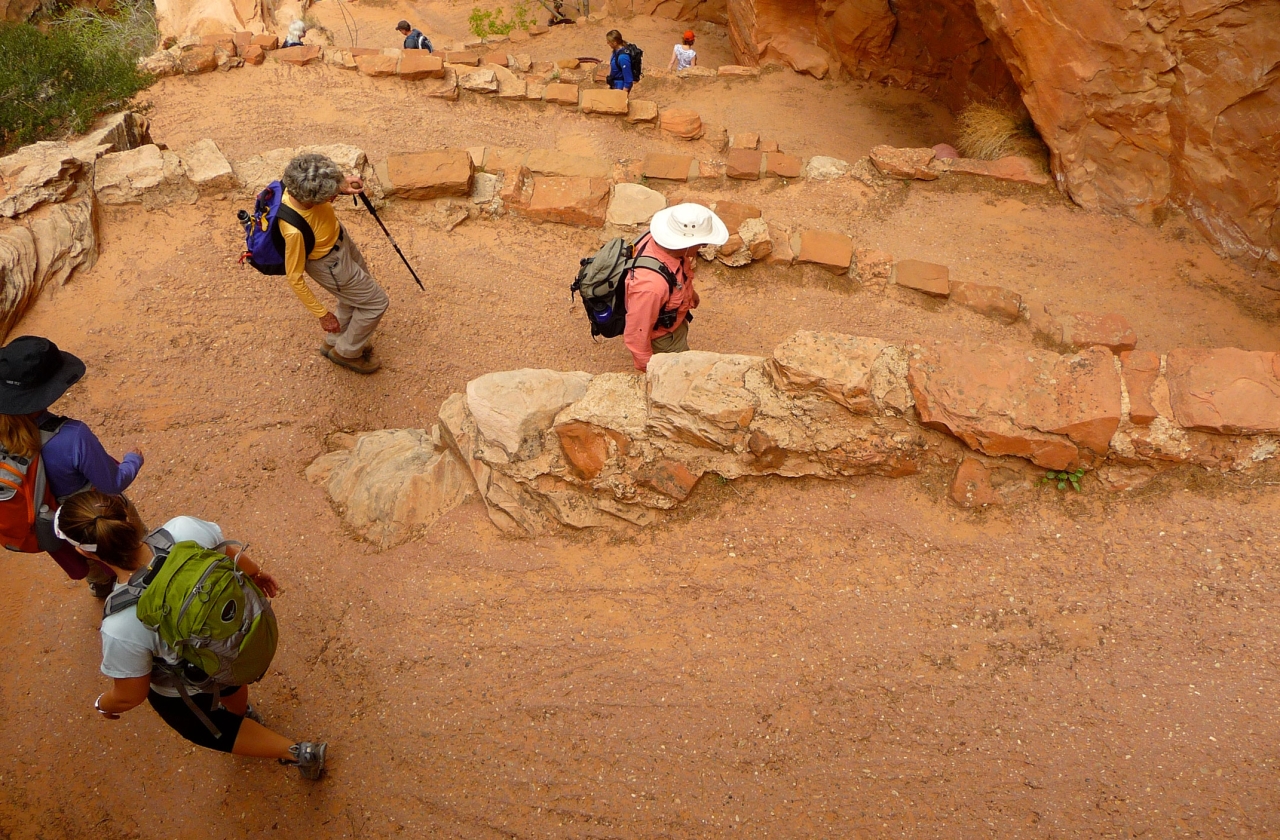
column 263, row 242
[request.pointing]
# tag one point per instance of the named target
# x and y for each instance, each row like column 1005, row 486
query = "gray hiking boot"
column 308, row 758
column 252, row 714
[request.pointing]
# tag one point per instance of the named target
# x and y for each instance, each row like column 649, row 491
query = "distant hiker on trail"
column 311, row 183
column 624, row 70
column 297, row 31
column 143, row 665
column 558, row 17
column 34, row 373
column 658, row 306
column 683, row 56
column 413, row 38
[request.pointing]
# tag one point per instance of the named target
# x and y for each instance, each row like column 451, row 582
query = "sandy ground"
column 778, row 659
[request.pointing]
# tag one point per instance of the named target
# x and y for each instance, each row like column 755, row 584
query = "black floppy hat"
column 34, row 373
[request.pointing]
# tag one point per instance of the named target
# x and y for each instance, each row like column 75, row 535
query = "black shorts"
column 174, row 711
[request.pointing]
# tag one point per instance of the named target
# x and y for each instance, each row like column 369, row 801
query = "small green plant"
column 1062, row 478
column 484, row 23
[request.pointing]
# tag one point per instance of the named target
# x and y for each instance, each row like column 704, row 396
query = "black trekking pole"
column 368, row 205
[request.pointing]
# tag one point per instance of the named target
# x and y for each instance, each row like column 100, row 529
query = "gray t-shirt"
column 128, row 645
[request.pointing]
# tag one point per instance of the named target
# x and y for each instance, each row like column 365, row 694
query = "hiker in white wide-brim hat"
column 658, row 301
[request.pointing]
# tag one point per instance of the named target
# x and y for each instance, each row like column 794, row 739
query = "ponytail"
column 111, row 523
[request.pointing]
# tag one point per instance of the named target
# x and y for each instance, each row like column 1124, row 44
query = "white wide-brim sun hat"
column 687, row 225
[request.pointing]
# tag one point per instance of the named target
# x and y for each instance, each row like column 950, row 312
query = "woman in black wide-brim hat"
column 34, row 373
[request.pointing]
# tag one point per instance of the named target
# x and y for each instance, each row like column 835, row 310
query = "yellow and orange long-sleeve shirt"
column 324, row 224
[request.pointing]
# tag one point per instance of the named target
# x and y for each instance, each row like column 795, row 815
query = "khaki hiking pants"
column 361, row 301
column 676, row 342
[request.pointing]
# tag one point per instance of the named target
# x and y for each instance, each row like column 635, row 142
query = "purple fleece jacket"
column 74, row 457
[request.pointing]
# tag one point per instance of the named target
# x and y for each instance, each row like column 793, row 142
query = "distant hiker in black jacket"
column 413, row 38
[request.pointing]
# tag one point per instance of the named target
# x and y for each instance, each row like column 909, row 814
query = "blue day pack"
column 263, row 241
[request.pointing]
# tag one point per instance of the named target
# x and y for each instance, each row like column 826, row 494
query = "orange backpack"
column 26, row 502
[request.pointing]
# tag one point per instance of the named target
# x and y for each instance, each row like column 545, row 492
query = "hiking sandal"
column 359, row 365
column 308, row 758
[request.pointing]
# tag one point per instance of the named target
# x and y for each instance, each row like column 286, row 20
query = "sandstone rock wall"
column 1143, row 105
column 546, row 448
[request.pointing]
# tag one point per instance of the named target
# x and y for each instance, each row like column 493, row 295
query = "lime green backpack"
column 214, row 617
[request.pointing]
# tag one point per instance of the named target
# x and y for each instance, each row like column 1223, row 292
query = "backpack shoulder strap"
column 294, row 218
column 161, row 542
column 655, row 264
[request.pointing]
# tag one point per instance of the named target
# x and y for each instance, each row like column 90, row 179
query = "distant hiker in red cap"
column 683, row 57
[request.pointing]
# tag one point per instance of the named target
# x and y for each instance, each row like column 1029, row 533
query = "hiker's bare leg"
column 256, row 740
column 237, row 703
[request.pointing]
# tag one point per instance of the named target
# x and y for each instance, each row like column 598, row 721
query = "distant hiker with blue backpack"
column 413, row 38
column 187, row 627
column 45, row 458
column 293, row 230
column 624, row 63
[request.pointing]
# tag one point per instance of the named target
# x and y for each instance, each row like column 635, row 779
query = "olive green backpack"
column 214, row 617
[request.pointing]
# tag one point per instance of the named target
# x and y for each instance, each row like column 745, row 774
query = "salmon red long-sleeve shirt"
column 647, row 296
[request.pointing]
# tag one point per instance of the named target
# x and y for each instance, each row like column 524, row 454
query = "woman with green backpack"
column 191, row 657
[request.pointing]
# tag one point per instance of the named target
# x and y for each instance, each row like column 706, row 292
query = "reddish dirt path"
column 802, row 659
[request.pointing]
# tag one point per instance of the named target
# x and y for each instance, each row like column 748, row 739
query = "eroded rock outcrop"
column 547, row 449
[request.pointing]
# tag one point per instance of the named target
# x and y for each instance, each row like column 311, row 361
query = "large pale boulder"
column 633, row 204
column 205, row 165
column 1009, row 401
column 513, row 408
column 145, row 175
column 701, row 398
column 41, row 173
column 837, row 366
column 65, row 238
column 392, row 482
column 17, row 275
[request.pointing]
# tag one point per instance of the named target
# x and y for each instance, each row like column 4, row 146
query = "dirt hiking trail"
column 854, row 659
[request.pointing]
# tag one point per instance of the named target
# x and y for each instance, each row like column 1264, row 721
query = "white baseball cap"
column 687, row 225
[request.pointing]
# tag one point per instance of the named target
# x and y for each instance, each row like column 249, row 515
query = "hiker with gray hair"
column 330, row 257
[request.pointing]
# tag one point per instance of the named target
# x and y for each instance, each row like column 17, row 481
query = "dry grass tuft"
column 989, row 131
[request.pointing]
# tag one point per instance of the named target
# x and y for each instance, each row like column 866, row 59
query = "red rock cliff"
column 1143, row 104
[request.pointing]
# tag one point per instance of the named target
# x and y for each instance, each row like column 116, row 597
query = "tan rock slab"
column 745, row 141
column 734, row 213
column 465, row 57
column 1030, row 403
column 642, row 111
column 298, row 56
column 513, row 408
column 555, row 162
column 633, row 204
column 781, row 252
column 375, row 65
column 253, row 55
column 994, row 302
column 427, row 175
column 561, row 94
column 737, row 70
column 1226, row 391
column 834, row 365
column 744, row 164
column 666, row 167
column 446, row 88
column 613, row 102
column 420, row 64
column 267, row 42
column 906, row 164
column 681, row 123
column 1089, row 329
column 830, row 250
column 782, row 165
column 478, row 80
column 1141, row 369
column 569, row 201
column 930, row 278
column 207, row 168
